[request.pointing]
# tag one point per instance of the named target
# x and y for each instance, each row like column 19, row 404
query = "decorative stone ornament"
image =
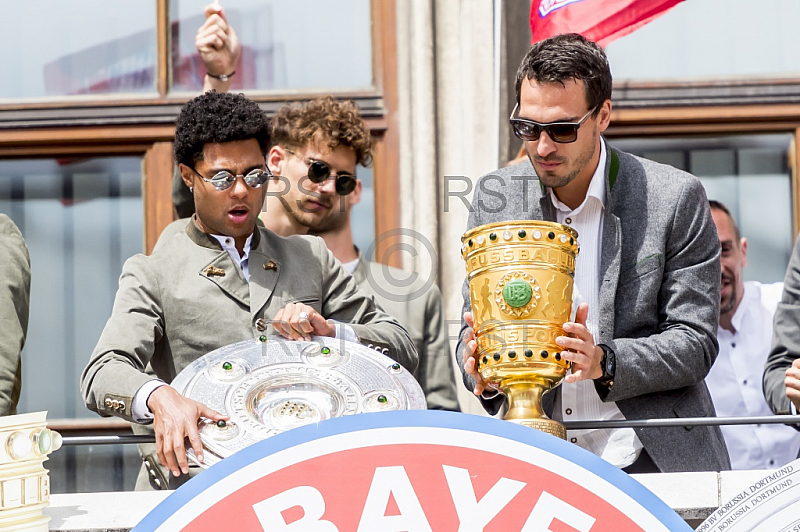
column 24, row 483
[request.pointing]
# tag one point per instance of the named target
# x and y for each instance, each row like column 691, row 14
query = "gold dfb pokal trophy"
column 520, row 276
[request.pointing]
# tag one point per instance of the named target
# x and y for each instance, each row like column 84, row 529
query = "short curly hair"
column 327, row 121
column 218, row 117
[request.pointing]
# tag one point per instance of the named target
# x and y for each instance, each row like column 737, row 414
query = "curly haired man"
column 317, row 147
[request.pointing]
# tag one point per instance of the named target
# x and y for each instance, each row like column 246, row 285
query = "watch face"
column 609, row 362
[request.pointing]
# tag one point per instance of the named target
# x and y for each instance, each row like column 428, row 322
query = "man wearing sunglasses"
column 219, row 281
column 648, row 269
column 317, row 147
column 325, row 210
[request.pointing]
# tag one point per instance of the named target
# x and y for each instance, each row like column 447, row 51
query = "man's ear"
column 743, row 247
column 355, row 195
column 187, row 175
column 275, row 160
column 604, row 116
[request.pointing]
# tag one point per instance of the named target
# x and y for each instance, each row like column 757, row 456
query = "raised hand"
column 218, row 45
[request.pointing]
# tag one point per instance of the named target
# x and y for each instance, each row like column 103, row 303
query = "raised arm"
column 219, row 48
column 15, row 287
column 782, row 369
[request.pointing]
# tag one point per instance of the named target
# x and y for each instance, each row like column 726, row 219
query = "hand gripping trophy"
column 520, row 276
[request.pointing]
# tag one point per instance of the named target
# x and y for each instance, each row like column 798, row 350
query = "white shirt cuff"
column 794, row 408
column 344, row 332
column 489, row 393
column 140, row 412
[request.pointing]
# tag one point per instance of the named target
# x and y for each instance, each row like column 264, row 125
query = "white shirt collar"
column 597, row 186
column 351, row 266
column 229, row 244
column 744, row 305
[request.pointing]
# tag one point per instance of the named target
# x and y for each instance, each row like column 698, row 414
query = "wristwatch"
column 608, row 365
column 221, row 77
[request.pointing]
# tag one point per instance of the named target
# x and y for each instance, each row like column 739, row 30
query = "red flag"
column 601, row 21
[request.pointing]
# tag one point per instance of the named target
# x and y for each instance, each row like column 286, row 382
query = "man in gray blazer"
column 782, row 371
column 648, row 270
column 15, row 292
column 220, row 281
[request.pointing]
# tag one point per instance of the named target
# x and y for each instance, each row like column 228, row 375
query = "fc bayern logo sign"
column 413, row 471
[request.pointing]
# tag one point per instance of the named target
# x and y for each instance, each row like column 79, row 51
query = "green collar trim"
column 613, row 169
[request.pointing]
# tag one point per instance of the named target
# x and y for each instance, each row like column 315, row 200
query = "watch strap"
column 221, row 77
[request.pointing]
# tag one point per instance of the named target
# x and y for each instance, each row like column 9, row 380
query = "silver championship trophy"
column 270, row 387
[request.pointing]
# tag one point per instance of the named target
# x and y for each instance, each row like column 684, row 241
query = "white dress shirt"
column 229, row 245
column 735, row 383
column 140, row 412
column 351, row 266
column 580, row 401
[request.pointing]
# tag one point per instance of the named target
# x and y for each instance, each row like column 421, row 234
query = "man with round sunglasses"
column 648, row 272
column 317, row 147
column 220, row 280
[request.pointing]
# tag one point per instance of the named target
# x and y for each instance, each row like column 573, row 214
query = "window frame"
column 101, row 125
column 111, row 124
column 711, row 108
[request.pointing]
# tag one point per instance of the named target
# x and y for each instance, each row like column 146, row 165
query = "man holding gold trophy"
column 640, row 242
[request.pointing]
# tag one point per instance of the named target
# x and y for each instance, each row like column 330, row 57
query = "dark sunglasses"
column 223, row 180
column 561, row 132
column 319, row 171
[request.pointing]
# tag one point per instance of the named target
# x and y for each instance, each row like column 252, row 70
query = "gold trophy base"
column 525, row 406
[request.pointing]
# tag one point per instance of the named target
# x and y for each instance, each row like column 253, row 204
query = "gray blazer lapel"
column 265, row 268
column 611, row 253
column 609, row 273
column 547, row 207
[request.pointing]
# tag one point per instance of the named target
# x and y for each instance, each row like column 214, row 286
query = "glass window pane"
column 314, row 44
column 81, row 220
column 750, row 175
column 67, row 48
column 710, row 39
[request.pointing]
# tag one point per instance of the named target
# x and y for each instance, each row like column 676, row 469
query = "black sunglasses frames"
column 560, row 132
column 320, row 171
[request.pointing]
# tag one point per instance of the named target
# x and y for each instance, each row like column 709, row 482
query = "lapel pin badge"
column 212, row 270
column 270, row 265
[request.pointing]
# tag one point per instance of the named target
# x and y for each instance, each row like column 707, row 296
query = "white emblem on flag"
column 548, row 6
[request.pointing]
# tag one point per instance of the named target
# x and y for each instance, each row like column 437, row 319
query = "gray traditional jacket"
column 15, row 290
column 189, row 298
column 417, row 307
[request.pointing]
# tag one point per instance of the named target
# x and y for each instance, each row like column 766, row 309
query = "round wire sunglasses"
column 224, row 179
column 319, row 171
